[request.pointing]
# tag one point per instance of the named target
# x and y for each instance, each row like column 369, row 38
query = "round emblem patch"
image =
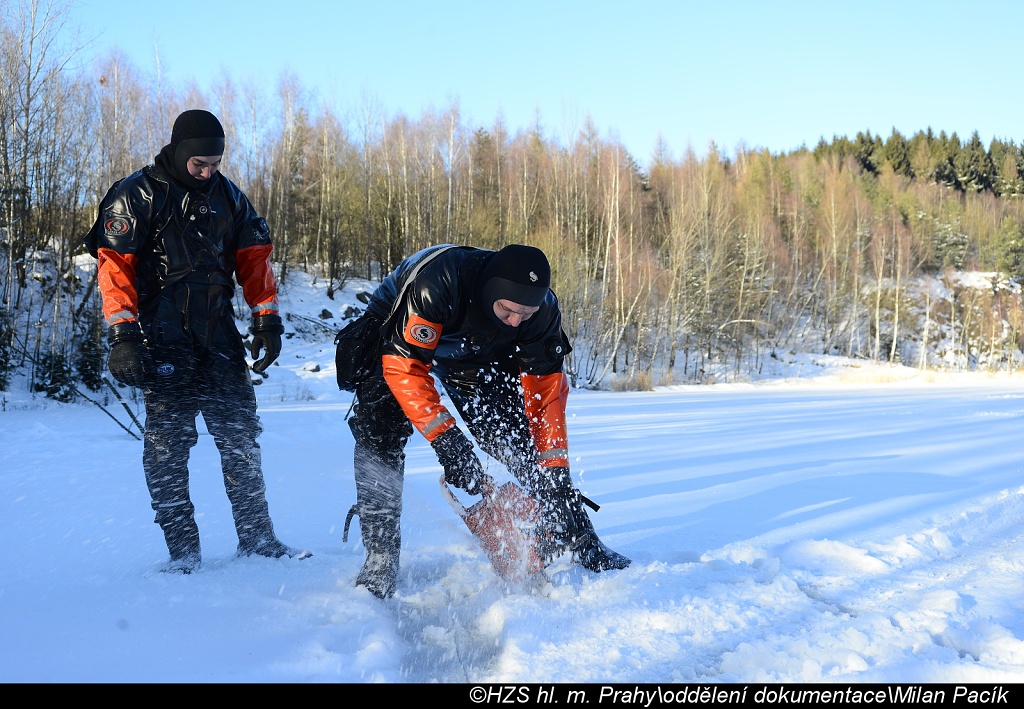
column 165, row 370
column 115, row 226
column 423, row 334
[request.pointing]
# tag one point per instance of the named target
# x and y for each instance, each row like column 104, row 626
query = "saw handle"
column 487, row 489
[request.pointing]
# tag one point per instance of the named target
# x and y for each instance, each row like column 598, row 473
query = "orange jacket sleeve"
column 546, row 397
column 413, row 387
column 256, row 276
column 115, row 274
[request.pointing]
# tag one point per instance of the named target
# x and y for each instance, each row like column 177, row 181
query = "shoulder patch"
column 260, row 228
column 115, row 226
column 422, row 333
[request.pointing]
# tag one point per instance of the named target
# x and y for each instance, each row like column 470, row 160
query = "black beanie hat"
column 195, row 132
column 517, row 273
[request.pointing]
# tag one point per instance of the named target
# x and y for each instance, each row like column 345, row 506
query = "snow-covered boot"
column 243, row 482
column 382, row 539
column 587, row 549
column 591, row 553
column 379, row 574
column 269, row 546
column 570, row 529
column 256, row 536
column 185, row 564
column 182, row 536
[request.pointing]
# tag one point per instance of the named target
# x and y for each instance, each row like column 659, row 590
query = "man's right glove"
column 462, row 468
column 129, row 356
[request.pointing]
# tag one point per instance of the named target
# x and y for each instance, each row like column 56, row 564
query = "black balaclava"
column 195, row 132
column 517, row 273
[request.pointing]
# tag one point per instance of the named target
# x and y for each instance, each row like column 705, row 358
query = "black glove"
column 462, row 468
column 561, row 503
column 129, row 356
column 266, row 335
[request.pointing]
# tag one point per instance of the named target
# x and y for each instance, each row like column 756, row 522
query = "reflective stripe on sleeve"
column 559, row 454
column 120, row 316
column 269, row 308
column 440, row 420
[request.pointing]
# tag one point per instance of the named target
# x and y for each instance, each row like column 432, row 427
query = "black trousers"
column 214, row 382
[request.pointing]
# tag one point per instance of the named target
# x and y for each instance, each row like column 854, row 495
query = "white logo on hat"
column 533, row 276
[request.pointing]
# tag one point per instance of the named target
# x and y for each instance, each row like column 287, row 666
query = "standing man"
column 171, row 239
column 488, row 326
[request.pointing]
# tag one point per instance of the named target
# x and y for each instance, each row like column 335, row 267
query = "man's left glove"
column 462, row 468
column 129, row 356
column 266, row 335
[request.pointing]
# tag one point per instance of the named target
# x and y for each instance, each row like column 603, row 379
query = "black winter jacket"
column 447, row 292
column 169, row 257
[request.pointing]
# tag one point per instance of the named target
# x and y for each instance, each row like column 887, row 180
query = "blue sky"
column 762, row 74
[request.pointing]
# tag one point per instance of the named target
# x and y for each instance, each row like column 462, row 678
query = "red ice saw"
column 506, row 521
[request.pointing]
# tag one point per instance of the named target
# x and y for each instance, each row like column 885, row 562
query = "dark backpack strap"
column 413, row 272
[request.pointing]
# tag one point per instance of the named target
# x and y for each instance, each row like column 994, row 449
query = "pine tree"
column 89, row 360
column 55, row 377
column 922, row 158
column 897, row 152
column 1011, row 246
column 945, row 150
column 1009, row 167
column 869, row 151
column 973, row 166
